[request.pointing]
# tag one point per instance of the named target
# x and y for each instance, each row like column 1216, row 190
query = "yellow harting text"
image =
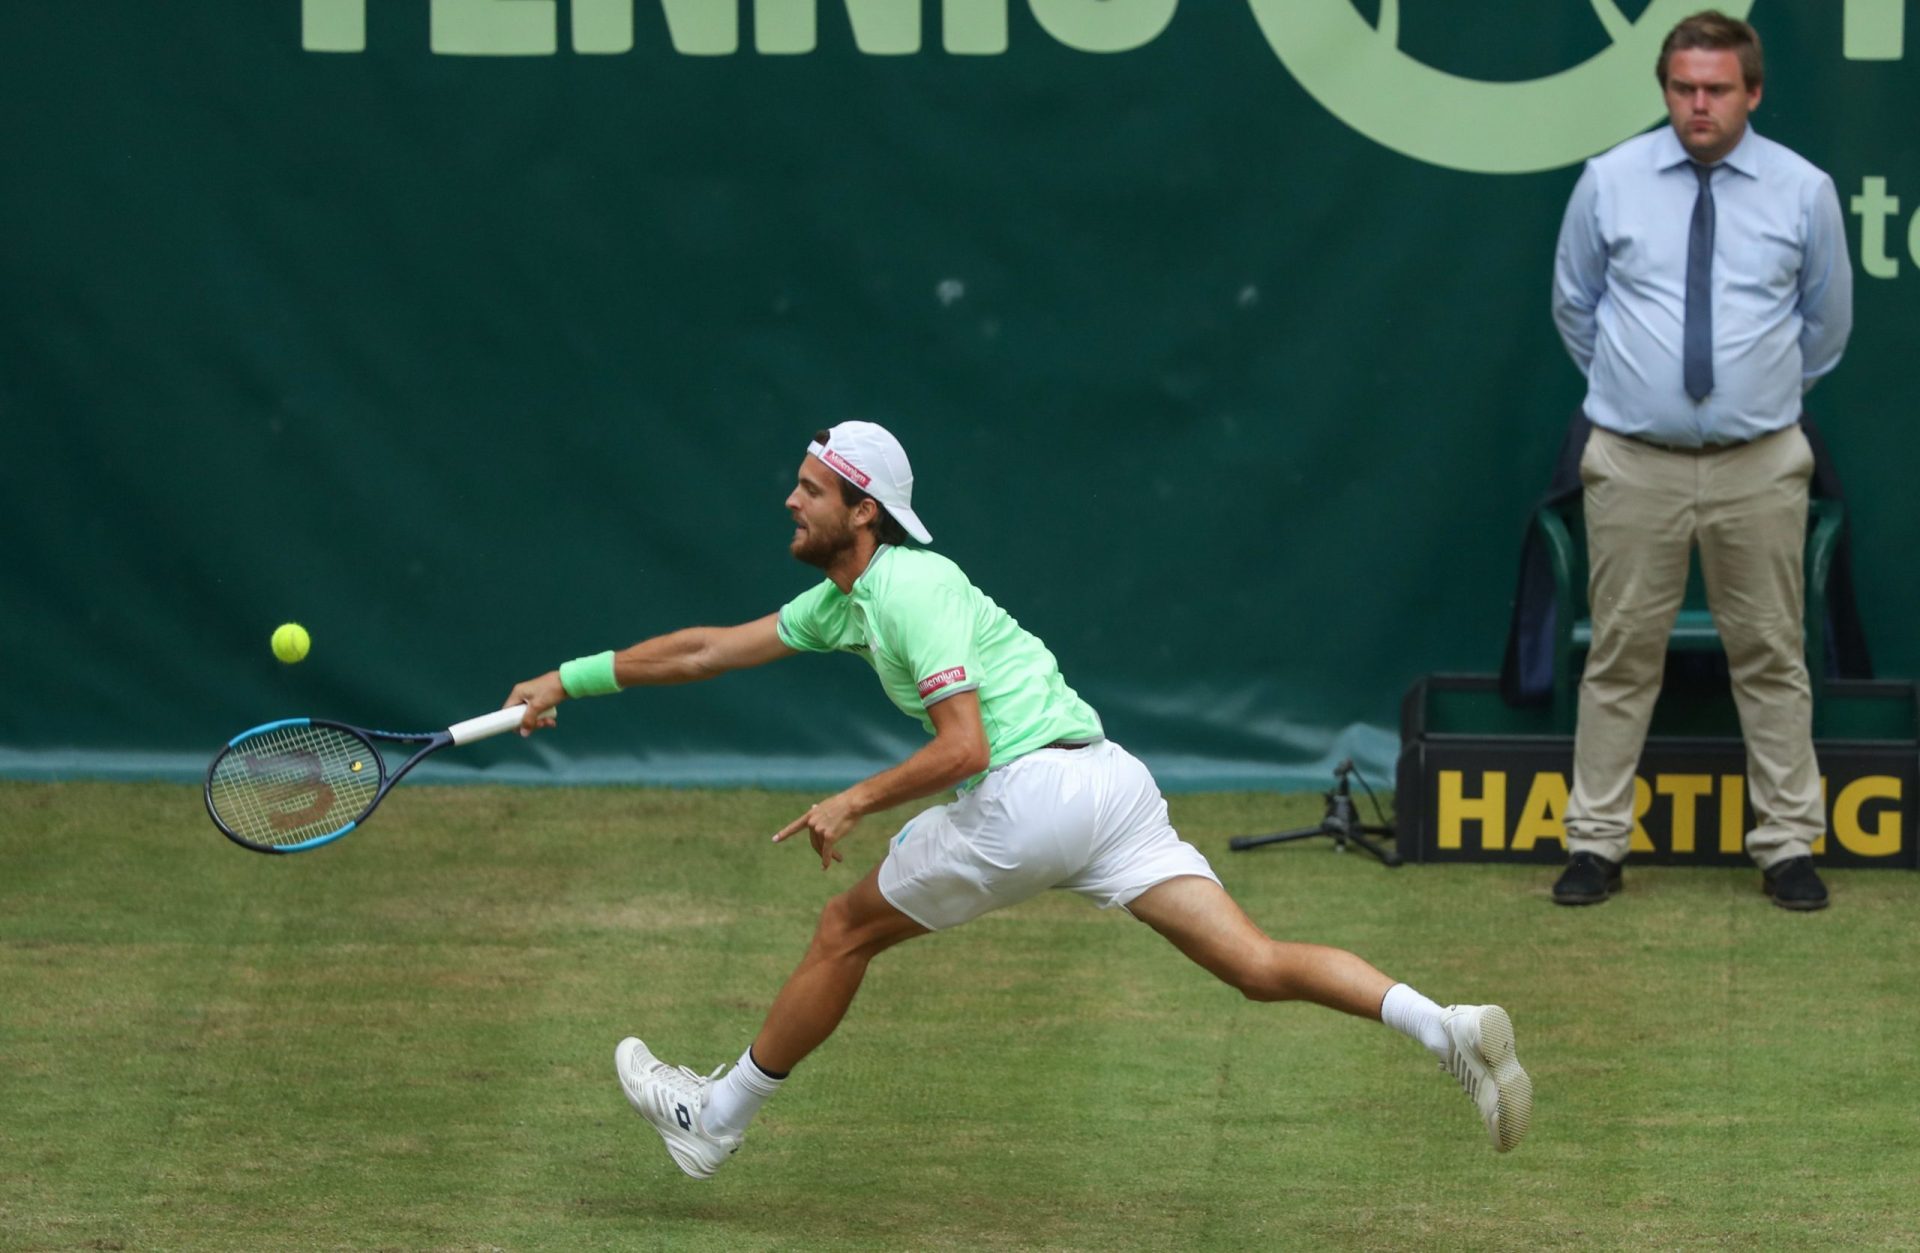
column 1641, row 842
column 1689, row 803
column 1884, row 839
column 1686, row 790
column 1488, row 808
column 1733, row 812
column 1544, row 815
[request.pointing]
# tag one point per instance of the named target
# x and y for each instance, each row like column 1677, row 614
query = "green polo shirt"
column 929, row 634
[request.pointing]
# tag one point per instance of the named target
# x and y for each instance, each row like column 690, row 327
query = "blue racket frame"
column 431, row 742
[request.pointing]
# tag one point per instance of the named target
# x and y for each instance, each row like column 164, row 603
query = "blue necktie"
column 1696, row 359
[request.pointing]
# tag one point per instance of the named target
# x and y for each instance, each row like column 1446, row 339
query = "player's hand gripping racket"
column 296, row 784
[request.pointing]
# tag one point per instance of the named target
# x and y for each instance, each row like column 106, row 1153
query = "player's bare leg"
column 855, row 927
column 1206, row 924
column 703, row 1119
column 1472, row 1042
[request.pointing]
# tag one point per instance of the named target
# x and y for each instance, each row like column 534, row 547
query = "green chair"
column 1565, row 536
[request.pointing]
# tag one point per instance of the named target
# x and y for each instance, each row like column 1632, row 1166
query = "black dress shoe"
column 1794, row 884
column 1588, row 879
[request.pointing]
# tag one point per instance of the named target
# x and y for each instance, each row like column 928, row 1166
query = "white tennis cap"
column 867, row 455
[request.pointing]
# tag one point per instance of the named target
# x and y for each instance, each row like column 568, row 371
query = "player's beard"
column 820, row 544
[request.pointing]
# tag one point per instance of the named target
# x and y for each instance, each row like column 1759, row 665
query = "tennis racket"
column 300, row 783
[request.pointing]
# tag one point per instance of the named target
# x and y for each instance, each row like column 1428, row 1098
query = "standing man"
column 1702, row 285
column 1045, row 801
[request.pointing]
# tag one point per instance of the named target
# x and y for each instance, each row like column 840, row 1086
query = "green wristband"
column 589, row 676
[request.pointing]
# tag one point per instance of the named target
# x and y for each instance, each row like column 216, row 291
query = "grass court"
column 404, row 1041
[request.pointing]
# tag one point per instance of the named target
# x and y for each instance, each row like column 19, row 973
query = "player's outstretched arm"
column 700, row 653
column 678, row 657
column 957, row 751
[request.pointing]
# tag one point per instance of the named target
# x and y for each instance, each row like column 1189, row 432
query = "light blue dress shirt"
column 1782, row 288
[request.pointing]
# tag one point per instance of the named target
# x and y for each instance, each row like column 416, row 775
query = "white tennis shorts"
column 1090, row 820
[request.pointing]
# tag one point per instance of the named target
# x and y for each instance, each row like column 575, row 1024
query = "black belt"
column 1700, row 451
column 1070, row 744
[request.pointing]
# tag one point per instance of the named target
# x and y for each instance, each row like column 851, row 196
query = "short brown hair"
column 886, row 527
column 1713, row 29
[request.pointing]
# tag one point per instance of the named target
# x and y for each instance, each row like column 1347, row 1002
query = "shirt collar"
column 1745, row 156
column 1668, row 153
column 861, row 589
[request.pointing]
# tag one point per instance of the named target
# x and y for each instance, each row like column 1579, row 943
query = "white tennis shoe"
column 1480, row 1055
column 671, row 1098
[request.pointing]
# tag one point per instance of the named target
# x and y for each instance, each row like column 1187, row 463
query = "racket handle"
column 487, row 724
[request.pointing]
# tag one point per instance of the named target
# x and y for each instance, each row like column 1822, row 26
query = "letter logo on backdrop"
column 1358, row 73
column 1354, row 68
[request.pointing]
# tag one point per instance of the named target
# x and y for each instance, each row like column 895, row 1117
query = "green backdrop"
column 479, row 334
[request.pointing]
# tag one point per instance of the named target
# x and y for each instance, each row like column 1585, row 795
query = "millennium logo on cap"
column 852, row 471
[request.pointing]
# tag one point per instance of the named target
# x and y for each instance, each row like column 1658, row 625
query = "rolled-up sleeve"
column 1579, row 271
column 1826, row 286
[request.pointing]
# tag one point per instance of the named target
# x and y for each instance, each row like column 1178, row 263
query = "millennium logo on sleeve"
column 945, row 678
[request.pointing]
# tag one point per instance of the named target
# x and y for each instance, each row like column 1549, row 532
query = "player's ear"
column 867, row 512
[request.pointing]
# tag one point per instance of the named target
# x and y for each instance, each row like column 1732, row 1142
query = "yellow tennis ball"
column 290, row 642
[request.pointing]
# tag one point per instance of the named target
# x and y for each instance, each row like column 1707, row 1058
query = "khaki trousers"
column 1746, row 509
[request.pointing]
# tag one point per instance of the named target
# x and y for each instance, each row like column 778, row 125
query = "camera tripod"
column 1341, row 823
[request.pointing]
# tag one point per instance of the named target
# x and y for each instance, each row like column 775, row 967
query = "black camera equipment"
column 1341, row 823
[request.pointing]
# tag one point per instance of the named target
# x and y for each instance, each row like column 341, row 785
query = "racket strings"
column 289, row 784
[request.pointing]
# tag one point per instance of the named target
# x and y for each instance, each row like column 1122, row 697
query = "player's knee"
column 1261, row 977
column 835, row 929
column 1266, row 990
column 846, row 929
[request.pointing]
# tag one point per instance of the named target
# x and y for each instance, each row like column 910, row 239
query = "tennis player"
column 1045, row 800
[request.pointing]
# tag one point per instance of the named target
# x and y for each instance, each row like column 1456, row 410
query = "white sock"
column 1406, row 1011
column 736, row 1097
